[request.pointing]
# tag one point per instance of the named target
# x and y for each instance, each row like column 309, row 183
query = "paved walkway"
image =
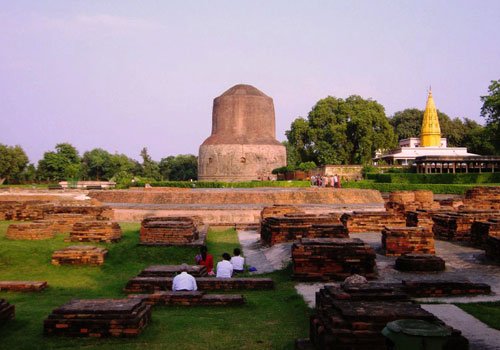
column 480, row 336
column 264, row 259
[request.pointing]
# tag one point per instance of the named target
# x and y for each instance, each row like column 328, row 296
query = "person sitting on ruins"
column 238, row 261
column 184, row 281
column 206, row 260
column 224, row 267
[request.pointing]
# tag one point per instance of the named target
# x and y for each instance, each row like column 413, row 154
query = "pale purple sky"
column 122, row 75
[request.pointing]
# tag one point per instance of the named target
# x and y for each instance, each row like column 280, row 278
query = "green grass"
column 488, row 313
column 269, row 320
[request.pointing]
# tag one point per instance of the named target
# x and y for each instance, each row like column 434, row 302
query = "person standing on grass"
column 206, row 260
column 184, row 281
column 335, row 181
column 224, row 267
column 237, row 261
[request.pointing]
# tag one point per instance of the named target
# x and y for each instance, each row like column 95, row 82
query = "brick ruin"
column 457, row 226
column 398, row 241
column 172, row 230
column 7, row 311
column 96, row 231
column 420, row 263
column 482, row 198
column 279, row 210
column 79, row 255
column 326, row 259
column 352, row 318
column 481, row 230
column 402, row 201
column 36, row 230
column 371, row 221
column 294, row 226
column 99, row 318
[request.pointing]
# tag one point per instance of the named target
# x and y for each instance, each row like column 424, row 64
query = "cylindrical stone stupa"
column 243, row 143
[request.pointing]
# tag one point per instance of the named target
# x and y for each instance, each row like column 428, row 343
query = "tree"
column 491, row 111
column 59, row 165
column 150, row 168
column 13, row 162
column 477, row 138
column 99, row 164
column 182, row 167
column 339, row 131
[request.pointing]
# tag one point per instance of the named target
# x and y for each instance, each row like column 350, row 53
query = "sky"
column 122, row 75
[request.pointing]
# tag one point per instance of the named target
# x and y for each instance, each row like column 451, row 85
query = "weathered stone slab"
column 420, row 263
column 22, row 286
column 186, row 298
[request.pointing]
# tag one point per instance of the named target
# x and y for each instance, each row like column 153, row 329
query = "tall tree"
column 491, row 111
column 149, row 166
column 13, row 162
column 339, row 131
column 60, row 164
column 182, row 167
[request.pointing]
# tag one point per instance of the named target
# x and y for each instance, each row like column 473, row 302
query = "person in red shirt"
column 206, row 260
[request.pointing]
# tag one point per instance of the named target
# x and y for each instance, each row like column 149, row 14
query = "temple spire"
column 430, row 135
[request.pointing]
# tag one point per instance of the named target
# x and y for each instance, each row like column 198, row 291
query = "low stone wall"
column 444, row 288
column 398, row 241
column 482, row 198
column 267, row 196
column 185, row 298
column 155, row 284
column 172, row 271
column 99, row 318
column 79, row 255
column 326, row 259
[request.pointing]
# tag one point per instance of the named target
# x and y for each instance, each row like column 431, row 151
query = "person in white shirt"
column 184, row 281
column 237, row 261
column 224, row 267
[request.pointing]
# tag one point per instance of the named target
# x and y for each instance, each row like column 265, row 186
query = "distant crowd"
column 326, row 181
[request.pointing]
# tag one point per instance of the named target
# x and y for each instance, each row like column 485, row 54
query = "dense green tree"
column 491, row 111
column 339, row 131
column 150, row 168
column 292, row 154
column 60, row 164
column 182, row 167
column 99, row 164
column 477, row 138
column 13, row 162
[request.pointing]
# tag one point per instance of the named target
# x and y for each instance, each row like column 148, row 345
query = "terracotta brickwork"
column 79, row 255
column 95, row 231
column 371, row 221
column 398, row 241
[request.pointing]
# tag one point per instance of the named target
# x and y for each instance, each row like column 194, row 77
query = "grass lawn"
column 488, row 313
column 269, row 320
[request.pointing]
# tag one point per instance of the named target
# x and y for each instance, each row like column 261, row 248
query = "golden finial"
column 431, row 132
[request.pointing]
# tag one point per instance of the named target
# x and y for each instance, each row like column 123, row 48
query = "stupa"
column 243, row 145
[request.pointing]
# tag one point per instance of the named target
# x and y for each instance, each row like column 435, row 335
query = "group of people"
column 326, row 181
column 225, row 268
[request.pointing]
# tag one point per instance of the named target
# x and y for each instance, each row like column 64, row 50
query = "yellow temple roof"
column 430, row 135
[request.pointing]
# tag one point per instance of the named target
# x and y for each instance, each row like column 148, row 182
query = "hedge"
column 390, row 187
column 413, row 178
column 207, row 184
